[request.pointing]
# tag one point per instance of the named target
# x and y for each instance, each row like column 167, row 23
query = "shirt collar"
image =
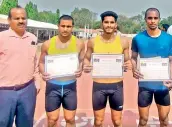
column 12, row 33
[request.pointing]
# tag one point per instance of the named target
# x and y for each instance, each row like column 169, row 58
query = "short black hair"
column 18, row 7
column 109, row 13
column 152, row 9
column 66, row 17
column 165, row 26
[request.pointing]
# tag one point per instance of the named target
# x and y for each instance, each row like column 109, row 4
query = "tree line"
column 32, row 11
column 83, row 17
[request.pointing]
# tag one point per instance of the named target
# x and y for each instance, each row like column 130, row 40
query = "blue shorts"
column 113, row 91
column 145, row 97
column 58, row 94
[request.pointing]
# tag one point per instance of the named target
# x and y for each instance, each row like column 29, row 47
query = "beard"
column 153, row 28
column 108, row 32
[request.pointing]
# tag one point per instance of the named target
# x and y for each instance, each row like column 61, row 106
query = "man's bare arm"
column 89, row 52
column 127, row 61
column 134, row 59
column 136, row 73
column 81, row 47
column 125, row 44
column 44, row 49
column 87, row 59
column 168, row 83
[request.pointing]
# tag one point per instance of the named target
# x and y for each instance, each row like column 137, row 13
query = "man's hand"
column 78, row 73
column 137, row 74
column 46, row 76
column 168, row 84
column 127, row 66
column 88, row 68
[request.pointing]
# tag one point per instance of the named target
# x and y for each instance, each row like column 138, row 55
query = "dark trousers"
column 19, row 104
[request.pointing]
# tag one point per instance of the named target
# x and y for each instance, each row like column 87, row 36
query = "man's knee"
column 143, row 121
column 98, row 122
column 117, row 122
column 164, row 121
column 52, row 120
column 70, row 119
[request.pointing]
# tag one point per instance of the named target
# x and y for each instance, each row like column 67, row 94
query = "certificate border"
column 60, row 76
column 107, row 76
column 144, row 80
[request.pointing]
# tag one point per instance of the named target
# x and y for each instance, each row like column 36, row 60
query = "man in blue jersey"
column 148, row 44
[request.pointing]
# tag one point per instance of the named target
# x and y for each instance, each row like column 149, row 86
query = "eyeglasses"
column 150, row 18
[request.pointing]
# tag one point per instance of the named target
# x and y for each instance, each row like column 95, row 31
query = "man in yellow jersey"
column 104, row 88
column 62, row 91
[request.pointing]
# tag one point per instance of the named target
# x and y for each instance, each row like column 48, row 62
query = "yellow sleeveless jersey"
column 72, row 47
column 113, row 47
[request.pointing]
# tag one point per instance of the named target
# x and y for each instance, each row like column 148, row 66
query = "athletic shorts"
column 145, row 97
column 102, row 91
column 56, row 95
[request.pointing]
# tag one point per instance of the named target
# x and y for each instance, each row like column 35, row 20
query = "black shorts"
column 55, row 96
column 145, row 97
column 102, row 91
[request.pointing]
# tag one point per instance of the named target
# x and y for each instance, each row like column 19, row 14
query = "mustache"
column 21, row 24
column 108, row 27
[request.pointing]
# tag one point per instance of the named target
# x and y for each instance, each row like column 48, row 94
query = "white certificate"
column 154, row 69
column 107, row 65
column 61, row 65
